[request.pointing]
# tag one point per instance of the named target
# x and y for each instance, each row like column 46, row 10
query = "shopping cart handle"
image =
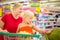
column 1, row 33
column 14, row 34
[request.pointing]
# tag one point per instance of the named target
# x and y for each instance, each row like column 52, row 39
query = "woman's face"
column 18, row 10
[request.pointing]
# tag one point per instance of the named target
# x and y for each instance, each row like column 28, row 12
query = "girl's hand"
column 49, row 31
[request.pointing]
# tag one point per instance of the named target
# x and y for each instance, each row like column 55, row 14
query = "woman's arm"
column 1, row 23
column 1, row 26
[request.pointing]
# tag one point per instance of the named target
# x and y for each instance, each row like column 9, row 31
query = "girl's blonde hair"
column 28, row 13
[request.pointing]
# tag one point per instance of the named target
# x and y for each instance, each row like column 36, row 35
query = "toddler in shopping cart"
column 26, row 27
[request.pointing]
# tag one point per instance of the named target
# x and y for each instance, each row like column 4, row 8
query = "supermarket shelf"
column 55, row 24
column 49, row 21
column 55, row 9
column 13, row 1
column 52, row 5
column 52, row 18
column 49, row 25
column 9, row 2
column 46, row 2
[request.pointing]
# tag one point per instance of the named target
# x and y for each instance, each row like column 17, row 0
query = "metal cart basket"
column 14, row 36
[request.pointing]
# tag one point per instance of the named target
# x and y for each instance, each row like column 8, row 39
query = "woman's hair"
column 16, row 5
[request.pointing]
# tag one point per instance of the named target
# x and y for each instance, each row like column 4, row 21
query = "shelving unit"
column 54, row 8
column 12, row 2
column 8, row 2
column 48, row 6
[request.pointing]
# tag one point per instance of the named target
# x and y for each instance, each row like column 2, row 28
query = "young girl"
column 27, row 27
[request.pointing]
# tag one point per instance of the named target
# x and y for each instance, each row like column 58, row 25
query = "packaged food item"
column 24, row 32
column 1, row 11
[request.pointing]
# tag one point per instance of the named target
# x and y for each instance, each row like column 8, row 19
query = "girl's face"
column 28, row 19
column 18, row 10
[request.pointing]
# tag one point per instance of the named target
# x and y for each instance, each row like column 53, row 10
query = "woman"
column 11, row 21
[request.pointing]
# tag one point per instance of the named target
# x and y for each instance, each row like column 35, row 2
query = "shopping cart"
column 14, row 36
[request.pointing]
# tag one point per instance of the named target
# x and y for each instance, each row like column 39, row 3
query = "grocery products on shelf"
column 43, row 17
column 7, row 8
column 1, row 10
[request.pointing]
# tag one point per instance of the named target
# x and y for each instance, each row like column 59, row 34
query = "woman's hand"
column 1, row 30
column 5, row 31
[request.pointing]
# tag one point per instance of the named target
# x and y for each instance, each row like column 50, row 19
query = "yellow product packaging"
column 1, row 11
